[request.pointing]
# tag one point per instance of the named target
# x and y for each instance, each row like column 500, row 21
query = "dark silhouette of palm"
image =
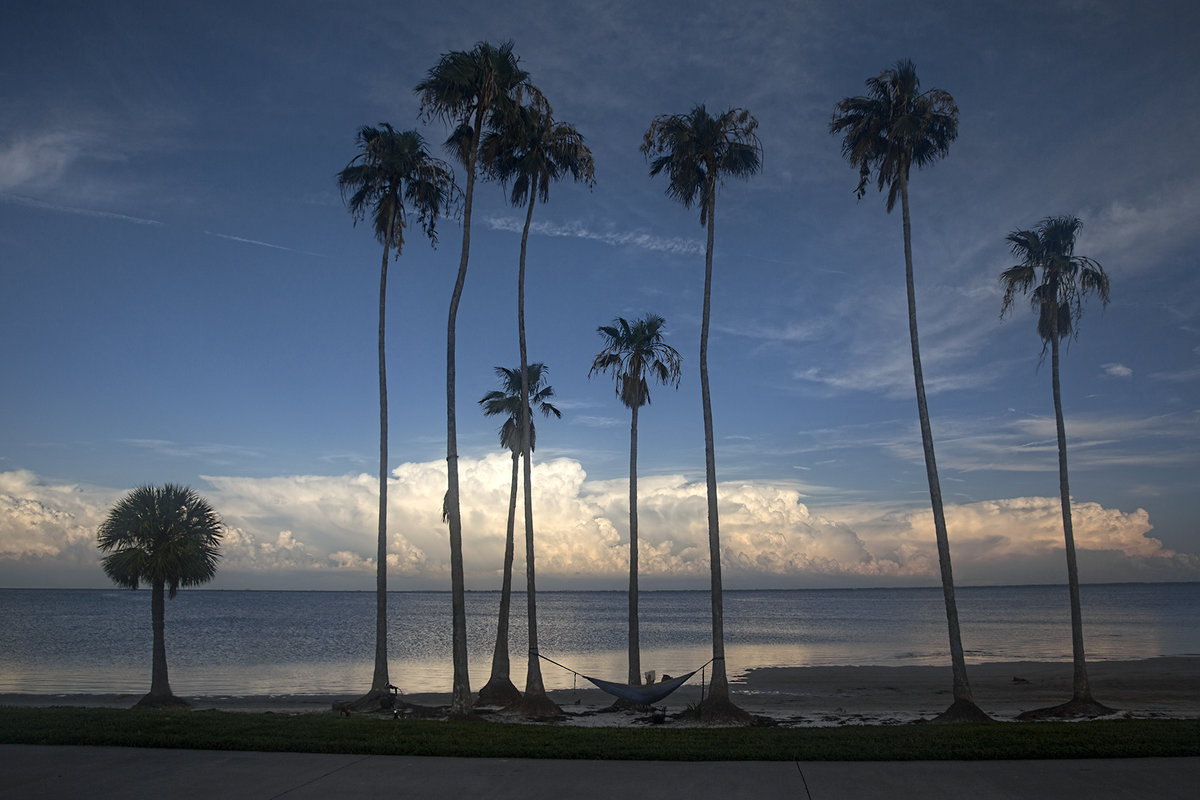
column 506, row 402
column 466, row 89
column 696, row 151
column 892, row 128
column 631, row 353
column 529, row 150
column 391, row 174
column 1057, row 281
column 167, row 537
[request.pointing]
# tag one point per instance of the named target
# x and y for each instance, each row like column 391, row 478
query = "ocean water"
column 273, row 642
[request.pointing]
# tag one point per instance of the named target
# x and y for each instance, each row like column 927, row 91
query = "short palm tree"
column 167, row 537
column 391, row 173
column 1057, row 281
column 894, row 127
column 631, row 353
column 466, row 89
column 506, row 402
column 697, row 151
column 530, row 150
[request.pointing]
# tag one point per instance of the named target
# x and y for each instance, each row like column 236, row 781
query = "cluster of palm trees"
column 892, row 128
column 503, row 129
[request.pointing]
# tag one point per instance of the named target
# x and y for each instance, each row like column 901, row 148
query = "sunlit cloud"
column 327, row 525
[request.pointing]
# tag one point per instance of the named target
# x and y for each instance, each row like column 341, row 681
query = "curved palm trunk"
column 962, row 688
column 460, row 704
column 535, row 701
column 635, row 660
column 719, row 690
column 1081, row 690
column 380, row 680
column 499, row 688
column 160, row 686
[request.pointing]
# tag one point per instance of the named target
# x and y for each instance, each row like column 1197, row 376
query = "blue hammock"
column 638, row 695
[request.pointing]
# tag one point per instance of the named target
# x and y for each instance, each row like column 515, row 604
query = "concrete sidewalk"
column 33, row 771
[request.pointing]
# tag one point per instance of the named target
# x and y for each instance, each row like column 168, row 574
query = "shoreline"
column 1165, row 687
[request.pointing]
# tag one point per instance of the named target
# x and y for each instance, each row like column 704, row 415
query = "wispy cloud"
column 589, row 421
column 222, row 454
column 1177, row 376
column 244, row 240
column 33, row 202
column 577, row 230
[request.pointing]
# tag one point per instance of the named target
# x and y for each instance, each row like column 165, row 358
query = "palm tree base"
column 374, row 700
column 961, row 711
column 499, row 691
column 535, row 705
column 167, row 700
column 1075, row 708
column 720, row 710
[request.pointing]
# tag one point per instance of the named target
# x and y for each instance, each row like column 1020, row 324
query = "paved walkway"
column 32, row 771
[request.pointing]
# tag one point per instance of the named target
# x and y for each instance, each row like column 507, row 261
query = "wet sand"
column 1150, row 688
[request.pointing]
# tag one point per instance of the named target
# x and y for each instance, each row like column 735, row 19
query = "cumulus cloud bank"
column 319, row 531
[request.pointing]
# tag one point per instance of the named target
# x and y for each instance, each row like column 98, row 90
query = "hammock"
column 638, row 695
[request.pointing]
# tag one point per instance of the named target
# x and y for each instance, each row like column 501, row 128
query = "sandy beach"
column 809, row 696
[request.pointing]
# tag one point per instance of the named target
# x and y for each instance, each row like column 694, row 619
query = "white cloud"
column 1116, row 370
column 326, row 526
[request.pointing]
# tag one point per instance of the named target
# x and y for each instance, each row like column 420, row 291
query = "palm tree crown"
column 1065, row 277
column 506, row 402
column 531, row 151
column 633, row 350
column 696, row 150
column 894, row 127
column 169, row 536
column 466, row 87
column 391, row 172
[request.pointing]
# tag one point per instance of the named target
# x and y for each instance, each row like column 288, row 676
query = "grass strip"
column 329, row 733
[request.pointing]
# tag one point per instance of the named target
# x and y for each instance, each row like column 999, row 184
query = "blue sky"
column 185, row 297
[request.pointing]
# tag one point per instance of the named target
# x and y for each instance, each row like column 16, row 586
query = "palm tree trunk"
column 160, row 686
column 380, row 680
column 1081, row 690
column 962, row 689
column 460, row 704
column 635, row 660
column 534, row 688
column 499, row 687
column 719, row 689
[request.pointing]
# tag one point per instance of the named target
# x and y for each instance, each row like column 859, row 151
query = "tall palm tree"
column 391, row 173
column 466, row 89
column 530, row 150
column 888, row 131
column 697, row 150
column 167, row 537
column 1057, row 295
column 631, row 352
column 506, row 402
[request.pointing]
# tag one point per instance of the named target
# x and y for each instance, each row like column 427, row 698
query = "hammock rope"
column 638, row 695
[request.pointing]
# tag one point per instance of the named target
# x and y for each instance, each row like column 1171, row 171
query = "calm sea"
column 266, row 642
